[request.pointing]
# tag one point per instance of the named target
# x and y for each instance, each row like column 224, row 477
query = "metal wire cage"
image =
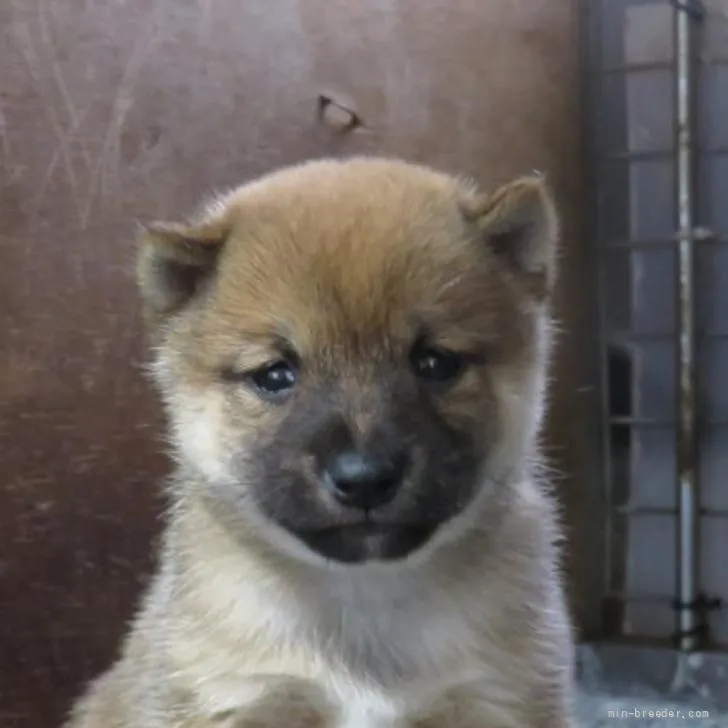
column 658, row 140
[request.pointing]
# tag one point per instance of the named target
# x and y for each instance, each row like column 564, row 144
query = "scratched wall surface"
column 116, row 111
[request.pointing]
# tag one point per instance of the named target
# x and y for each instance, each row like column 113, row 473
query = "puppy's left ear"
column 519, row 223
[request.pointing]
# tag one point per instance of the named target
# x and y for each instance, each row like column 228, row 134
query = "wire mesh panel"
column 632, row 73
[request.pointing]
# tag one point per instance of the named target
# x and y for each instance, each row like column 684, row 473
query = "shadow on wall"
column 620, row 404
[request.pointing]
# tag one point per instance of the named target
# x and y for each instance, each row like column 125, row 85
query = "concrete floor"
column 596, row 710
column 647, row 688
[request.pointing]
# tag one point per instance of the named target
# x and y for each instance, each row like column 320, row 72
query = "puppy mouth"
column 367, row 541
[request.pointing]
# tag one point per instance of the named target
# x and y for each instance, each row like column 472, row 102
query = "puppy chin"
column 365, row 542
column 345, row 545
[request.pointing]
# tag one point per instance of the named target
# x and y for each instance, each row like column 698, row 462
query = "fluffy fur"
column 274, row 605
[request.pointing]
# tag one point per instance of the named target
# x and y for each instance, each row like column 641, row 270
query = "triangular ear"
column 174, row 260
column 519, row 223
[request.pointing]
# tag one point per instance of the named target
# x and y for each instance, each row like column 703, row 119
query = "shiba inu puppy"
column 353, row 358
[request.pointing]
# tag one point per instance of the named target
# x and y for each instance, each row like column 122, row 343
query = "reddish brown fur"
column 390, row 268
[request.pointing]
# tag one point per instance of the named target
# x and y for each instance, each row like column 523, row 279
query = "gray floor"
column 647, row 688
column 599, row 711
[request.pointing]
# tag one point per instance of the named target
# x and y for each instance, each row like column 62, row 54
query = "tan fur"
column 242, row 627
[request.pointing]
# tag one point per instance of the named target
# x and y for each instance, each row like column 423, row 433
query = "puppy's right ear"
column 175, row 260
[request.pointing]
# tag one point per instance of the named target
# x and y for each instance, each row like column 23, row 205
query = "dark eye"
column 275, row 378
column 436, row 365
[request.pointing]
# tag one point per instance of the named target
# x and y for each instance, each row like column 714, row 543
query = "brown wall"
column 113, row 112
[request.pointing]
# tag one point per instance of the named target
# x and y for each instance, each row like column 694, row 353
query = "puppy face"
column 352, row 353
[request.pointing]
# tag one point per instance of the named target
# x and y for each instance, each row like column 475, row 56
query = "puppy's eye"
column 275, row 379
column 436, row 365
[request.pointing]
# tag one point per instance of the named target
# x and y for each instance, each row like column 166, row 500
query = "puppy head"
column 352, row 353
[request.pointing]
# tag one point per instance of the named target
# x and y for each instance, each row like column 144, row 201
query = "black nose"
column 364, row 482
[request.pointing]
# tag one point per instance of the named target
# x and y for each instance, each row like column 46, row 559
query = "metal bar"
column 619, row 336
column 700, row 235
column 633, row 337
column 605, row 395
column 609, row 246
column 687, row 465
column 592, row 88
column 633, row 510
column 691, row 8
column 647, row 155
column 591, row 91
column 657, row 155
column 650, row 155
column 625, row 69
column 656, row 422
column 633, row 67
column 620, row 596
column 633, row 421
